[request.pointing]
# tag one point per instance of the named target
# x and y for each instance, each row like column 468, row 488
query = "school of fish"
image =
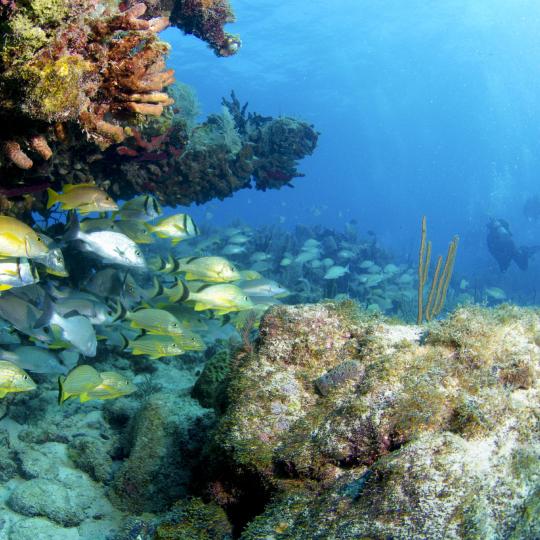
column 94, row 281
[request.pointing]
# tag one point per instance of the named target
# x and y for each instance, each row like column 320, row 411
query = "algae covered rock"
column 370, row 429
column 52, row 499
column 194, row 520
column 41, row 529
column 210, row 387
column 166, row 436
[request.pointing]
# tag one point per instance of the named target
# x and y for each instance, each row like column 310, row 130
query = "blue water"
column 423, row 108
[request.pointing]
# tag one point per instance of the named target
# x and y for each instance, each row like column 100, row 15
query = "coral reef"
column 418, row 432
column 205, row 19
column 85, row 92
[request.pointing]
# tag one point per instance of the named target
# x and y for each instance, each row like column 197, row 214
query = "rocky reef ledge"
column 355, row 427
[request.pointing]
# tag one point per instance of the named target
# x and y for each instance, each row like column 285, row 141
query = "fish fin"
column 84, row 397
column 120, row 313
column 179, row 292
column 45, row 317
column 3, row 393
column 61, row 394
column 203, row 287
column 73, row 228
column 175, row 241
column 199, row 306
column 69, row 187
column 125, row 342
column 53, row 197
column 5, row 287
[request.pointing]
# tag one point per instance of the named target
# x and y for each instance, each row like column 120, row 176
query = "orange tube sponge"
column 39, row 144
column 13, row 152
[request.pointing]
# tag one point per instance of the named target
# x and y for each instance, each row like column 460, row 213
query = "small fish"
column 327, row 262
column 306, row 256
column 78, row 382
column 109, row 246
column 76, row 330
column 98, row 224
column 22, row 315
column 311, row 243
column 222, row 298
column 260, row 256
column 14, row 379
column 213, row 269
column 136, row 230
column 238, row 238
column 112, row 386
column 33, row 358
column 345, row 254
column 85, row 198
column 262, row 287
column 53, row 260
column 154, row 346
column 335, row 272
column 496, row 293
column 94, row 310
column 250, row 274
column 176, row 227
column 233, row 249
column 141, row 208
column 19, row 240
column 286, row 261
column 155, row 321
column 16, row 272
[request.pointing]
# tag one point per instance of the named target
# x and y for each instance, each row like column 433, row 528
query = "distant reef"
column 86, row 96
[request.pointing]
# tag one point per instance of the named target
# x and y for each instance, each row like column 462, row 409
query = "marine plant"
column 440, row 281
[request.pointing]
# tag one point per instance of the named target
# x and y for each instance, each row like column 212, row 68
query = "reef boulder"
column 357, row 427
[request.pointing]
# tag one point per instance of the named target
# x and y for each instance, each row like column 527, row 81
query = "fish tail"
column 53, row 197
column 61, row 392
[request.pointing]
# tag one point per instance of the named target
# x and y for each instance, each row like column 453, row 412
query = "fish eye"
column 174, row 324
column 137, row 253
column 39, row 239
column 25, row 377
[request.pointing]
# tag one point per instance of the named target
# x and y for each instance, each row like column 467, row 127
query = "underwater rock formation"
column 424, row 432
column 166, row 435
column 85, row 94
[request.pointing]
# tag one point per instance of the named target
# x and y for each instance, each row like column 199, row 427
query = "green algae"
column 54, row 89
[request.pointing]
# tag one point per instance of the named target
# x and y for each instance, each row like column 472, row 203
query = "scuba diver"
column 503, row 248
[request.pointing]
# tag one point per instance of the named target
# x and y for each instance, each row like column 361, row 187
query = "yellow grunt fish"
column 142, row 208
column 136, row 230
column 222, row 298
column 16, row 273
column 113, row 385
column 84, row 198
column 176, row 227
column 213, row 269
column 14, row 379
column 154, row 346
column 19, row 240
column 155, row 321
column 78, row 382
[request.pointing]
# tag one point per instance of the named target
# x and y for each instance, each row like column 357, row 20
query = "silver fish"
column 34, row 358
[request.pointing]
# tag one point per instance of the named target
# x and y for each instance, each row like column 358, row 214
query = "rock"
column 41, row 529
column 166, row 437
column 67, row 505
column 194, row 520
column 431, row 438
column 91, row 456
column 209, row 389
